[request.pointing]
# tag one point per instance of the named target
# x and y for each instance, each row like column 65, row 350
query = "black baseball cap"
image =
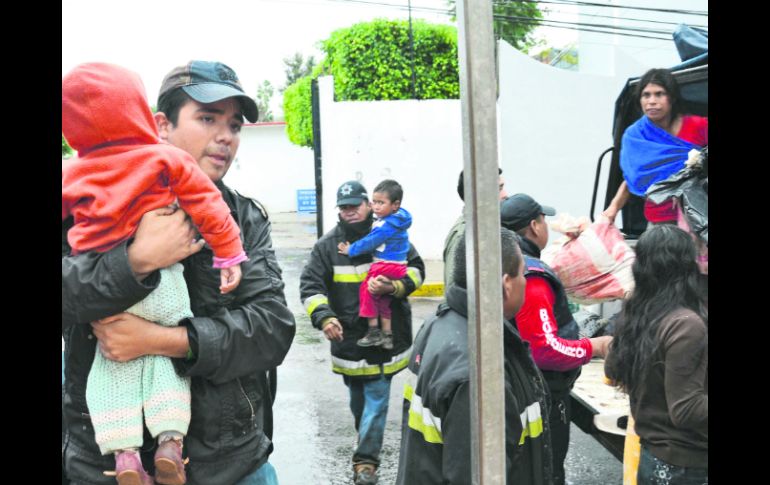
column 351, row 193
column 209, row 82
column 518, row 210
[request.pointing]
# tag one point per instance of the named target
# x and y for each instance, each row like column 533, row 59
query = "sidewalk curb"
column 429, row 290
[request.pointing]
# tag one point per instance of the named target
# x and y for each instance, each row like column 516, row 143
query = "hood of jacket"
column 103, row 104
column 401, row 219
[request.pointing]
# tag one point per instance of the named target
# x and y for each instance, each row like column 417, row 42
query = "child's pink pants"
column 373, row 305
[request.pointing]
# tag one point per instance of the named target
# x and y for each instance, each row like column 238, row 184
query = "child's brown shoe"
column 169, row 466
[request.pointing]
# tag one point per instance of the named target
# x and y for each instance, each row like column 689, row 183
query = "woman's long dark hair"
column 667, row 278
column 664, row 78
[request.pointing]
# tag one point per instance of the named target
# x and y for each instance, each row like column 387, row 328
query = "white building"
column 552, row 126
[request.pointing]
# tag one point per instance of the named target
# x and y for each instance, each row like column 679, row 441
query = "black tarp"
column 690, row 186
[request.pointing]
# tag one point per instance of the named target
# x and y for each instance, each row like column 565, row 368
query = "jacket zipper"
column 243, row 391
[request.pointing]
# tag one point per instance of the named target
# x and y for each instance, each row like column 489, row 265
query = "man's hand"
column 381, row 285
column 343, row 248
column 125, row 337
column 164, row 236
column 333, row 330
column 601, row 345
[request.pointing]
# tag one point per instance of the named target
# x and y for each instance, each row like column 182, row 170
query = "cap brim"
column 350, row 201
column 213, row 92
column 549, row 211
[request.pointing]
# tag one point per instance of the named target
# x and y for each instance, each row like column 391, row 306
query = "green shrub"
column 372, row 61
column 297, row 111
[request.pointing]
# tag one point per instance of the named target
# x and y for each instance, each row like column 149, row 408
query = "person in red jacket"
column 123, row 170
column 545, row 321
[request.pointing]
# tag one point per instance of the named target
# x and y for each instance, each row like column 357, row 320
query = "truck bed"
column 596, row 407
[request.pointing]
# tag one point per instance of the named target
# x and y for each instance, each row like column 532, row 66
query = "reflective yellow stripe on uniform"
column 532, row 422
column 414, row 275
column 364, row 368
column 397, row 362
column 354, row 368
column 421, row 419
column 312, row 302
column 351, row 274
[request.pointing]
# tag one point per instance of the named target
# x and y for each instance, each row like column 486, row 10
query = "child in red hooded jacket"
column 123, row 170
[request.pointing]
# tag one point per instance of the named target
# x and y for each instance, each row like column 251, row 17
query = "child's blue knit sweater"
column 388, row 239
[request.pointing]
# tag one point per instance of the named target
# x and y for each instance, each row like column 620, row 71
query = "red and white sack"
column 594, row 266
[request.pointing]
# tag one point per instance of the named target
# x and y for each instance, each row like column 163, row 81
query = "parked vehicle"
column 589, row 401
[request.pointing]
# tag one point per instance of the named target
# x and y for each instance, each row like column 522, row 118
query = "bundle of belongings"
column 593, row 261
column 592, row 325
column 689, row 189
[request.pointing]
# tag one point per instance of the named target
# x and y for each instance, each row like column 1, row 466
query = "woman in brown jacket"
column 659, row 356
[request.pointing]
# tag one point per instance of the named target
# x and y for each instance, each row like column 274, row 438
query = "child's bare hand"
column 343, row 247
column 230, row 278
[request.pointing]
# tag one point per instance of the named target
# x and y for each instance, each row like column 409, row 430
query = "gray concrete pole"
column 482, row 216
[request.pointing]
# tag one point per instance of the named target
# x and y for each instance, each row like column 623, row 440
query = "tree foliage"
column 298, row 112
column 264, row 95
column 562, row 58
column 296, row 67
column 373, row 61
column 514, row 21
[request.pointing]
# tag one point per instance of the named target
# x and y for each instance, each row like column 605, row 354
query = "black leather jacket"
column 237, row 339
column 436, row 424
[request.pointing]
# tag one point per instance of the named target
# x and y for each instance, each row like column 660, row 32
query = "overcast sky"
column 251, row 36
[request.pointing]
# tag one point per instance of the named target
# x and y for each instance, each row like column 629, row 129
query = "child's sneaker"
column 373, row 337
column 129, row 469
column 169, row 466
column 387, row 341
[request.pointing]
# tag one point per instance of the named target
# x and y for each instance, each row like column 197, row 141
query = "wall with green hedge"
column 373, row 61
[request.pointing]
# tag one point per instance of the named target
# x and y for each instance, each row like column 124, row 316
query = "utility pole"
column 478, row 98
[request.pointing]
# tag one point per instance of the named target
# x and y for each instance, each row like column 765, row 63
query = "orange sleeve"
column 201, row 199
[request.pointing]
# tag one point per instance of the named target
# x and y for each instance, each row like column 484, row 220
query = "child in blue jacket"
column 390, row 244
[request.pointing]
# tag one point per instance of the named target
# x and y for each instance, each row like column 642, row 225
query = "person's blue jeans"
column 264, row 475
column 654, row 471
column 369, row 404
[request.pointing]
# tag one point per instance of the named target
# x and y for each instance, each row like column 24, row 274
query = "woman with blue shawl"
column 657, row 145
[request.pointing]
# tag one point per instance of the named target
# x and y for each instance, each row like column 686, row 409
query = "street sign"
column 306, row 201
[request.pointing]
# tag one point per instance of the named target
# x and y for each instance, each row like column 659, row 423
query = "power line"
column 579, row 26
column 583, row 29
column 398, row 6
column 585, row 24
column 701, row 13
column 449, row 12
column 554, row 2
column 629, row 19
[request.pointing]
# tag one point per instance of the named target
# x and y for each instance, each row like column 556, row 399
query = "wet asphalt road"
column 313, row 427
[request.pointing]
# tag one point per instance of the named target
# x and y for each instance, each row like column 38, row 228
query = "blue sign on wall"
column 306, row 200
